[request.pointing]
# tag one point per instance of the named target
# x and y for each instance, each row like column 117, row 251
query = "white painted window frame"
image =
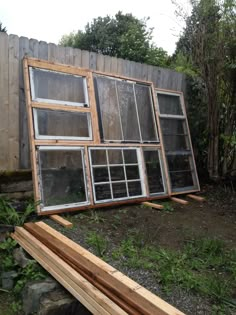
column 38, row 136
column 59, row 102
column 126, row 181
column 68, row 205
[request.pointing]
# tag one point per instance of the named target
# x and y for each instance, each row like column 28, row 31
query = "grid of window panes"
column 116, row 173
column 177, row 143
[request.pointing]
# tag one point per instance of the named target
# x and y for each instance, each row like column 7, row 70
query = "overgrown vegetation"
column 10, row 216
column 2, row 28
column 206, row 53
column 203, row 266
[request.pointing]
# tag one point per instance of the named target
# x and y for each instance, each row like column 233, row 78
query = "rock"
column 20, row 257
column 8, row 279
column 60, row 302
column 33, row 292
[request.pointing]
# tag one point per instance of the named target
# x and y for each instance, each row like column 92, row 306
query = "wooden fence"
column 14, row 145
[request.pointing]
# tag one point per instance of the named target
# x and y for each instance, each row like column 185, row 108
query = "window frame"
column 59, row 102
column 40, row 183
column 126, row 181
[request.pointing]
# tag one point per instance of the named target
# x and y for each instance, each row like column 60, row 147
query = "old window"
column 56, row 87
column 126, row 110
column 177, row 143
column 60, row 124
column 62, row 177
column 116, row 173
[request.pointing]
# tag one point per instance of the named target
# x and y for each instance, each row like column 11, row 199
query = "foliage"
column 7, row 260
column 98, row 242
column 123, row 36
column 167, row 207
column 208, row 46
column 2, row 28
column 203, row 266
column 9, row 215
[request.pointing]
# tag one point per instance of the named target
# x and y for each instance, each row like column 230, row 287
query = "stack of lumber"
column 101, row 288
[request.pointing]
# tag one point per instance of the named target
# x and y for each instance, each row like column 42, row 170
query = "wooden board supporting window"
column 75, row 112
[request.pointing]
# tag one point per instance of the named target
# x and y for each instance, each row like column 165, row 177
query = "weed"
column 98, row 242
column 95, row 217
column 10, row 216
column 203, row 266
column 167, row 207
column 7, row 260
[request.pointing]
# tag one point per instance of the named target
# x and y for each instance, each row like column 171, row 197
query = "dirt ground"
column 215, row 218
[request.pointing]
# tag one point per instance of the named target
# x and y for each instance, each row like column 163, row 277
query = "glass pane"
column 174, row 134
column 109, row 110
column 62, row 123
column 115, row 156
column 132, row 172
column 130, row 156
column 134, row 188
column 50, row 85
column 145, row 112
column 100, row 174
column 117, row 173
column 179, row 162
column 128, row 111
column 182, row 179
column 169, row 104
column 99, row 157
column 153, row 168
column 62, row 177
column 103, row 192
column 119, row 190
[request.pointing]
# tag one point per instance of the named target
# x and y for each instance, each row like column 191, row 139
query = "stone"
column 20, row 257
column 60, row 302
column 33, row 292
column 8, row 279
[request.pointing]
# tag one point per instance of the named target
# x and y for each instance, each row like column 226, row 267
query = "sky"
column 48, row 20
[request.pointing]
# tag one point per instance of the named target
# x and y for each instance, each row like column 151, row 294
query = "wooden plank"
column 69, row 56
column 152, row 205
column 87, row 269
column 4, row 102
column 24, row 137
column 114, row 64
column 100, row 62
column 33, row 48
column 92, row 60
column 52, row 52
column 14, row 118
column 69, row 278
column 43, row 50
column 85, row 59
column 178, row 200
column 107, row 64
column 77, row 57
column 195, row 197
column 61, row 221
column 161, row 307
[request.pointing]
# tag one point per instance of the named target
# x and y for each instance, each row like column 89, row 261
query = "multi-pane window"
column 182, row 171
column 116, row 173
column 126, row 110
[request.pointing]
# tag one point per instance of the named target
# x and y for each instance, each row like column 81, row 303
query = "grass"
column 203, row 266
column 97, row 242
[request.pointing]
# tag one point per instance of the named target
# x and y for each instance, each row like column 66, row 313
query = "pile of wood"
column 101, row 288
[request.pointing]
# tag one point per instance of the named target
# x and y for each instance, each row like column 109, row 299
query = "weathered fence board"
column 14, row 146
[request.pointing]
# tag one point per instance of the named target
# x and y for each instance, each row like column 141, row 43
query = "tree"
column 209, row 44
column 2, row 29
column 123, row 36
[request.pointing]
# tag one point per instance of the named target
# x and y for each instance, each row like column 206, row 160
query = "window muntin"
column 126, row 110
column 119, row 180
column 177, row 143
column 58, row 88
column 62, row 177
column 154, row 171
column 66, row 125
